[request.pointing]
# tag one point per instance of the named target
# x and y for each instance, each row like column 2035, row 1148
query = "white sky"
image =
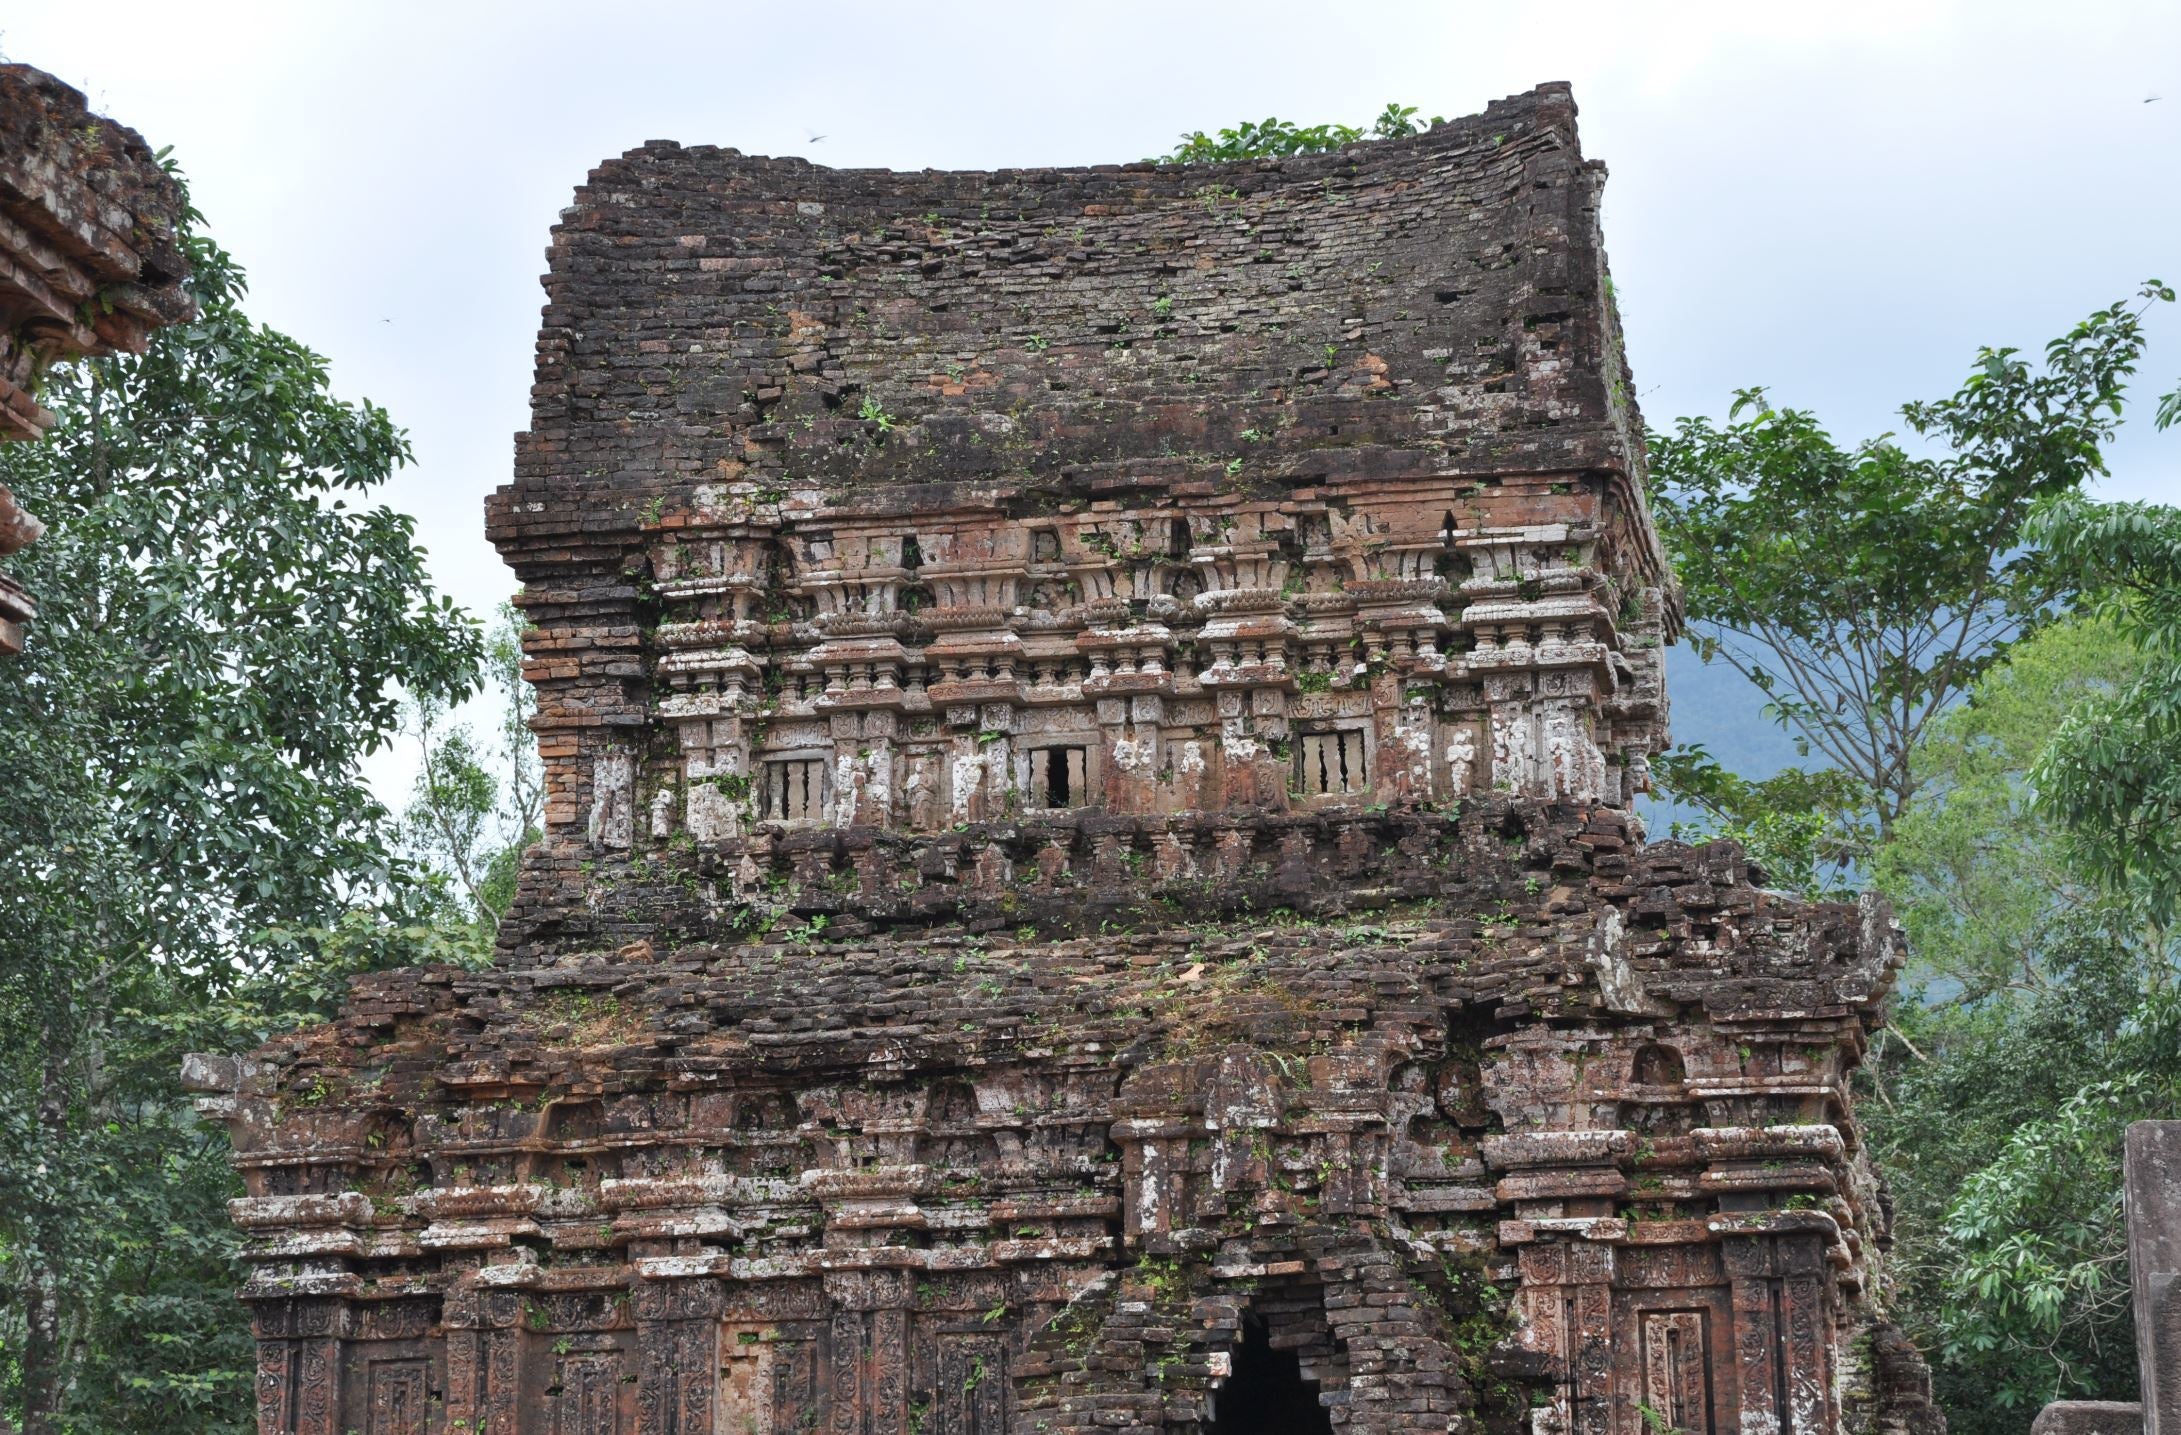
column 1839, row 200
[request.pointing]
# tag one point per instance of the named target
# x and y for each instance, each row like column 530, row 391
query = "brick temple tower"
column 1090, row 719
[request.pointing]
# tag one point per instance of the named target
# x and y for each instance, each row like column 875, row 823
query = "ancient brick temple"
column 1089, row 882
column 89, row 264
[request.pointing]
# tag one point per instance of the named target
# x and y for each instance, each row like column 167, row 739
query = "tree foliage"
column 2112, row 773
column 1272, row 138
column 1998, row 1124
column 1805, row 830
column 2039, row 1298
column 1982, row 884
column 1864, row 588
column 479, row 797
column 188, row 854
column 2040, row 1019
column 1971, row 651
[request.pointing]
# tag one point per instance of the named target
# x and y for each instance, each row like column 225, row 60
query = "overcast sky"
column 1838, row 200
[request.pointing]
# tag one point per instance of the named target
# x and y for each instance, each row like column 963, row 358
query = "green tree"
column 2112, row 774
column 2038, row 1301
column 1272, row 138
column 1804, row 829
column 2067, row 929
column 1906, row 606
column 1863, row 589
column 1998, row 1126
column 188, row 855
column 2041, row 1019
column 478, row 800
column 1983, row 885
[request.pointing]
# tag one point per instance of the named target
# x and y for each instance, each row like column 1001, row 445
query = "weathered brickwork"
column 1089, row 719
column 89, row 264
column 1176, row 469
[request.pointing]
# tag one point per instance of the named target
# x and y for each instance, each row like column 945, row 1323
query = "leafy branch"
column 1864, row 589
column 1272, row 138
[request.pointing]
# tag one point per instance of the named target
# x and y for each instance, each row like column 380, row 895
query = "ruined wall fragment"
column 90, row 263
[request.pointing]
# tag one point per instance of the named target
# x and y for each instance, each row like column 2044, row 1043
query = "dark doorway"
column 1266, row 1394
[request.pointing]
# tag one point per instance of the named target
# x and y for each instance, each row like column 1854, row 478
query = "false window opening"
column 1657, row 1065
column 1333, row 763
column 1266, row 1393
column 795, row 789
column 1059, row 776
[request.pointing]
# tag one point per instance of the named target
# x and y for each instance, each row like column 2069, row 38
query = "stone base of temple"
column 1505, row 1116
column 2089, row 1417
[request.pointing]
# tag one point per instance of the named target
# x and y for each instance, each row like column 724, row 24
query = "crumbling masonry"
column 1088, row 885
column 90, row 264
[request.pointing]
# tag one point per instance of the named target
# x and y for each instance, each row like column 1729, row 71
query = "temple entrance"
column 1266, row 1394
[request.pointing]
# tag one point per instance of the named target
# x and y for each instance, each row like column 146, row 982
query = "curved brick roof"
column 1432, row 305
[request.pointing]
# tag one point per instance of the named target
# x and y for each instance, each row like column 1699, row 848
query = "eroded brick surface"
column 1089, row 718
column 89, row 263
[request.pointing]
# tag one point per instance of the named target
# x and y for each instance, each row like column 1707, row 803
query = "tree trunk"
column 41, row 1355
column 47, row 1350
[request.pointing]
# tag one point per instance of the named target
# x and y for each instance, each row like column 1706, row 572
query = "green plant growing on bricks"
column 1271, row 137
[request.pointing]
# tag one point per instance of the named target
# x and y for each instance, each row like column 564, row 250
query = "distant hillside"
column 1718, row 707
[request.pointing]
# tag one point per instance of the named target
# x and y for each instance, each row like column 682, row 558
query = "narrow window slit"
column 1059, row 776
